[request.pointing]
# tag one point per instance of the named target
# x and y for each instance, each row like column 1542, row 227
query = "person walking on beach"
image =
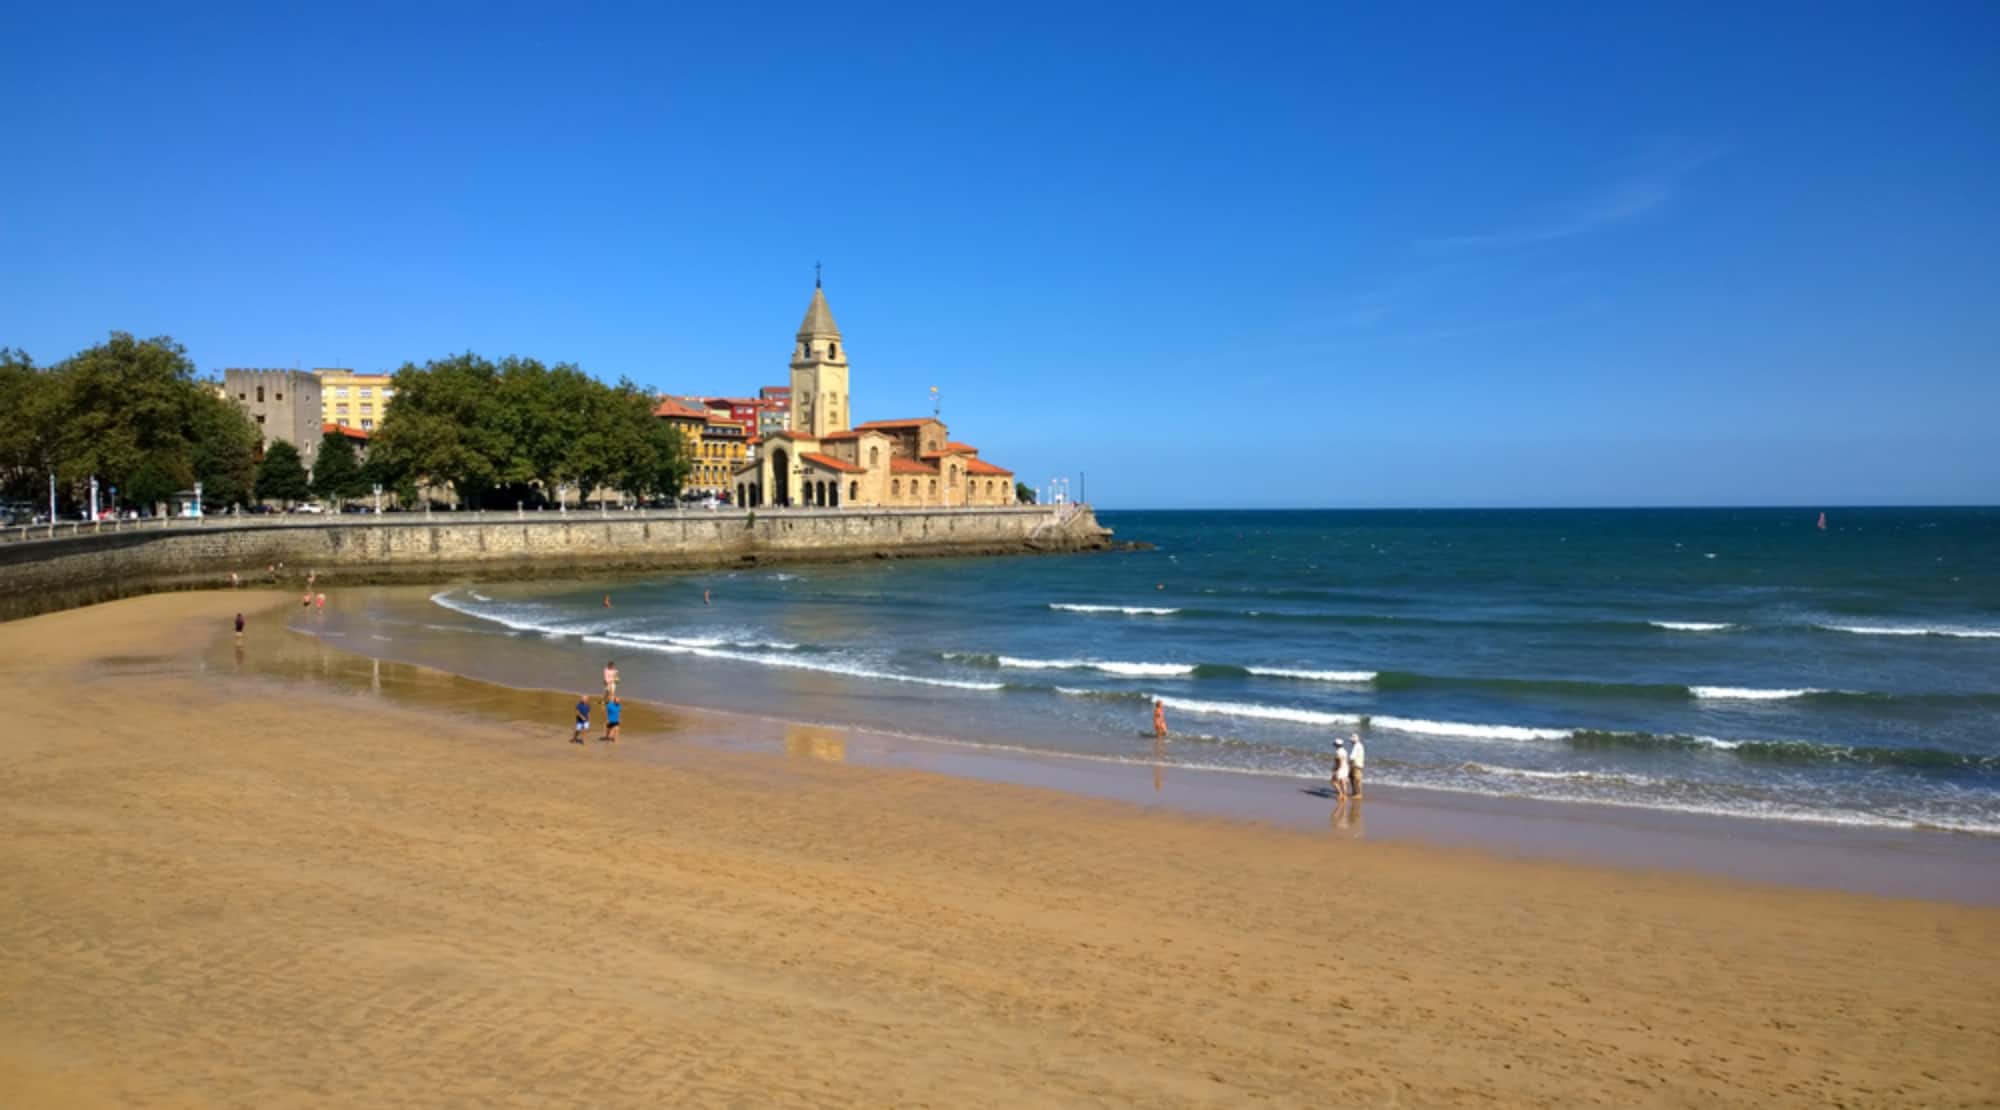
column 319, row 602
column 1341, row 770
column 582, row 718
column 612, row 706
column 239, row 628
column 610, row 680
column 1159, row 719
column 1354, row 758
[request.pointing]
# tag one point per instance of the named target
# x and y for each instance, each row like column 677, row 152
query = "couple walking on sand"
column 1347, row 761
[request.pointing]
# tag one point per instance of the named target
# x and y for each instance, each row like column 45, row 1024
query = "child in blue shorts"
column 582, row 718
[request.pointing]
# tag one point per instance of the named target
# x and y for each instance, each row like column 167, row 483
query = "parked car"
column 308, row 507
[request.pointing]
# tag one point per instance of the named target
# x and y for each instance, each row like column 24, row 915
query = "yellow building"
column 823, row 461
column 722, row 449
column 354, row 400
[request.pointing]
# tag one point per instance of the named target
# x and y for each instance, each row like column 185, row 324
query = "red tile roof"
column 841, row 435
column 901, row 465
column 981, row 466
column 669, row 408
column 965, row 447
column 900, row 423
column 831, row 463
column 351, row 433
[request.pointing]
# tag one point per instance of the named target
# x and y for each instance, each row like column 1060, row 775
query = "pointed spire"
column 819, row 318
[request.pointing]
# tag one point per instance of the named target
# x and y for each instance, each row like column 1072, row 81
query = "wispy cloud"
column 1642, row 184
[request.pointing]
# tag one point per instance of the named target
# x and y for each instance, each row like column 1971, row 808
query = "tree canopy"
column 281, row 476
column 132, row 414
column 128, row 412
column 517, row 430
column 336, row 472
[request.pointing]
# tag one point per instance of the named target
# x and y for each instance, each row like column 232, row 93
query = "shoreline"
column 54, row 574
column 394, row 885
column 1930, row 863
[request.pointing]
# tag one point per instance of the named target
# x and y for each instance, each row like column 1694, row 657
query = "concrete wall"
column 53, row 574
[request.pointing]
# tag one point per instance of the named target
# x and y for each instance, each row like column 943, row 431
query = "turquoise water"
column 1727, row 661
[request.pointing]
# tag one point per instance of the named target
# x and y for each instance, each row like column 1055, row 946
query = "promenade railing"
column 62, row 530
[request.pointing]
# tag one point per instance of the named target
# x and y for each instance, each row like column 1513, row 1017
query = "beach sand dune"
column 228, row 890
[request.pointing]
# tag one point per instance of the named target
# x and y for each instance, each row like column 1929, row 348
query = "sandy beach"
column 229, row 889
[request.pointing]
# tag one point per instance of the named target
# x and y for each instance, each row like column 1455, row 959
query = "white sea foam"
column 1916, row 630
column 1559, row 776
column 1692, row 626
column 1128, row 670
column 1128, row 610
column 510, row 619
column 477, row 596
column 1314, row 676
column 1747, row 693
column 792, row 662
column 1467, row 731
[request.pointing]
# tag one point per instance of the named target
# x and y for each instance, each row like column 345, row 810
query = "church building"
column 824, row 461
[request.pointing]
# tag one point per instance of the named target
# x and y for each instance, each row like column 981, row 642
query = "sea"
column 1737, row 662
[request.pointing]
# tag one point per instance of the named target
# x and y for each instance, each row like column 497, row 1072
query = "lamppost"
column 197, row 500
column 93, row 497
column 378, row 499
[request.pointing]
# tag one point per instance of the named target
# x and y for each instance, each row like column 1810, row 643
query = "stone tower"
column 819, row 372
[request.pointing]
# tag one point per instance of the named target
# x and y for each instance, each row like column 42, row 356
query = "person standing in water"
column 1159, row 719
column 582, row 718
column 239, row 628
column 610, row 680
column 1341, row 770
column 704, row 597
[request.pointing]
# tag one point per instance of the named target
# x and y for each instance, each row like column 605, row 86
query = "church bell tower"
column 819, row 371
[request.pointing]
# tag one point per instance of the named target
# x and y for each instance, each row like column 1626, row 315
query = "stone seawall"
column 60, row 573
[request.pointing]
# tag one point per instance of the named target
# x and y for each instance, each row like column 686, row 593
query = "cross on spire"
column 815, row 275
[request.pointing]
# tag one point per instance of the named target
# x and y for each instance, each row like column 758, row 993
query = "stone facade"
column 37, row 576
column 821, row 462
column 284, row 404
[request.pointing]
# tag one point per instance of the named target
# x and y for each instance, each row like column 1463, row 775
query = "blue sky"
column 1241, row 255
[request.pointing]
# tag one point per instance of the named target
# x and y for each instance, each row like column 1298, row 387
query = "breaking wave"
column 1127, row 610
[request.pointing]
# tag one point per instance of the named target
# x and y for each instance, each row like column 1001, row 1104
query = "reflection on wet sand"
column 816, row 742
column 1159, row 763
column 1347, row 820
column 296, row 657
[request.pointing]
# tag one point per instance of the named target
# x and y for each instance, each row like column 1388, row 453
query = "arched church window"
column 854, row 491
column 833, row 350
column 874, row 456
column 933, row 487
column 896, row 488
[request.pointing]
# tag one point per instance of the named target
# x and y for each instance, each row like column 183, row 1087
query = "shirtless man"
column 610, row 680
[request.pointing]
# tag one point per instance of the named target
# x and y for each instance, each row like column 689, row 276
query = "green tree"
column 1023, row 494
column 123, row 418
column 224, row 449
column 448, row 427
column 281, row 476
column 29, row 398
column 336, row 473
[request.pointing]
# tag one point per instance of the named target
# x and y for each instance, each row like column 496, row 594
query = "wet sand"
column 232, row 887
